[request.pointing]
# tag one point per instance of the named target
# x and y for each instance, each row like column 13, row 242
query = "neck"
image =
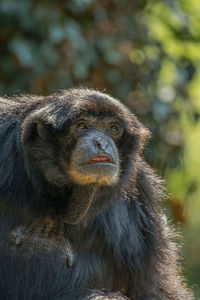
column 86, row 202
column 79, row 204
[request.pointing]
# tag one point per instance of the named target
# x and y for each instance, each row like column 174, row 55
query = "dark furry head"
column 36, row 136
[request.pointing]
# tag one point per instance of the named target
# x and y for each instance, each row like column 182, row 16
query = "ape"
column 80, row 213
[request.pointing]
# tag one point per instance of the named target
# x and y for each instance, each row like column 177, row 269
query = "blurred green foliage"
column 145, row 52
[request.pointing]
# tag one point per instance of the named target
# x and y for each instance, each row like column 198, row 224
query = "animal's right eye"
column 82, row 125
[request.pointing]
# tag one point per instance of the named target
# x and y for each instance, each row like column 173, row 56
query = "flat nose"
column 100, row 143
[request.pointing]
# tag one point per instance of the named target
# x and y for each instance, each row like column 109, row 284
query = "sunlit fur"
column 117, row 235
column 83, row 179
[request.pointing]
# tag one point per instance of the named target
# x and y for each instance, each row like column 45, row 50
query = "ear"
column 144, row 134
column 34, row 130
column 43, row 130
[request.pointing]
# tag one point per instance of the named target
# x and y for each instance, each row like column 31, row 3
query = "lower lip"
column 100, row 159
column 99, row 162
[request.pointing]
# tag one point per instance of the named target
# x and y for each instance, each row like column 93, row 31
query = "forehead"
column 101, row 109
column 97, row 119
column 91, row 103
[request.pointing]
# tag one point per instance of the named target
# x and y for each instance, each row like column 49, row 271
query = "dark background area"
column 147, row 54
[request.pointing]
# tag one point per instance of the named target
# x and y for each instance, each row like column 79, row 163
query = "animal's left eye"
column 115, row 128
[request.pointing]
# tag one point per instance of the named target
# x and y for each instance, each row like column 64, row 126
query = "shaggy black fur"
column 122, row 248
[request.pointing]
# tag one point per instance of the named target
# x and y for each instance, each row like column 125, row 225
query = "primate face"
column 95, row 158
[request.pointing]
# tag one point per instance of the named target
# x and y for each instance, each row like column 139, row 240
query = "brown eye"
column 114, row 128
column 82, row 126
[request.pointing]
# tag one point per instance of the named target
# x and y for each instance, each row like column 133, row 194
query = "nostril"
column 98, row 145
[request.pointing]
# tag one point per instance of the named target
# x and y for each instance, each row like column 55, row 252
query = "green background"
column 147, row 54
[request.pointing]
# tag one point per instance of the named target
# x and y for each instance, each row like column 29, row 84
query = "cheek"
column 129, row 146
column 65, row 150
column 129, row 159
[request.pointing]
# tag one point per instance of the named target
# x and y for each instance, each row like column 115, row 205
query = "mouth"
column 100, row 159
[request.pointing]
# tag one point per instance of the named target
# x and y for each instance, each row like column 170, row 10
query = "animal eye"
column 114, row 128
column 82, row 125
